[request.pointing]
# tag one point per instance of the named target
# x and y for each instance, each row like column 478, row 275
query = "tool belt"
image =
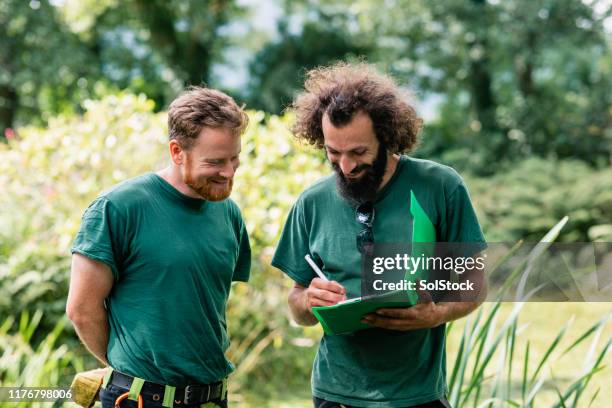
column 195, row 394
column 86, row 386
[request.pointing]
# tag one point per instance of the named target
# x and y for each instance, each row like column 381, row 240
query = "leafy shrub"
column 49, row 176
column 525, row 200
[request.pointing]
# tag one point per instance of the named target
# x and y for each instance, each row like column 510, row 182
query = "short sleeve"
column 242, row 271
column 99, row 238
column 293, row 246
column 461, row 223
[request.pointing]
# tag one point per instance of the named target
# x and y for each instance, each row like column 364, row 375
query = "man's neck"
column 392, row 161
column 172, row 175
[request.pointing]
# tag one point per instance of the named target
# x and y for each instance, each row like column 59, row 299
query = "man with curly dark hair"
column 365, row 125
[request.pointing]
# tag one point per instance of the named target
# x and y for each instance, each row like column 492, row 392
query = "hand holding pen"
column 322, row 291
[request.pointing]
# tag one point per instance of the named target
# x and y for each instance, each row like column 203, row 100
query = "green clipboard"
column 345, row 317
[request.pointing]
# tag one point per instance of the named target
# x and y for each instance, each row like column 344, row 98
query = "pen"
column 315, row 267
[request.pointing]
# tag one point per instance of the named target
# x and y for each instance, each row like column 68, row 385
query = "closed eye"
column 215, row 162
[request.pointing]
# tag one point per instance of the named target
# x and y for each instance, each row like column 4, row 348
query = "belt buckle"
column 190, row 390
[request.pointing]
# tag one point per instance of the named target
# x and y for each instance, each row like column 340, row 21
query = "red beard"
column 206, row 187
column 211, row 191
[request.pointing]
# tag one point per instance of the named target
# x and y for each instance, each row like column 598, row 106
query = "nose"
column 346, row 164
column 228, row 170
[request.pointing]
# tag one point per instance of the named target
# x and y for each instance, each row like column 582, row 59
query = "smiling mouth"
column 354, row 176
column 221, row 182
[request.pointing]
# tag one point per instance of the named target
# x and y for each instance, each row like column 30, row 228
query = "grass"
column 540, row 324
column 547, row 329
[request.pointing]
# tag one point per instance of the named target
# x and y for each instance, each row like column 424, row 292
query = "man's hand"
column 319, row 293
column 427, row 314
column 424, row 315
column 324, row 293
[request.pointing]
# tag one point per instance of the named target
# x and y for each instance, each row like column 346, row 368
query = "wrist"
column 444, row 313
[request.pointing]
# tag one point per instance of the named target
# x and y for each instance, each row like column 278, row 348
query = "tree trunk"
column 191, row 57
column 482, row 95
column 9, row 100
column 480, row 74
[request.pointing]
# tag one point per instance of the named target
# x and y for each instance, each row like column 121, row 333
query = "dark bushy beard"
column 363, row 189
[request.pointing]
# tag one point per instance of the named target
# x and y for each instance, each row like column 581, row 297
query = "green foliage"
column 274, row 170
column 50, row 175
column 523, row 201
column 487, row 363
column 277, row 71
column 54, row 55
column 510, row 78
column 484, row 372
column 534, row 71
column 25, row 363
column 41, row 62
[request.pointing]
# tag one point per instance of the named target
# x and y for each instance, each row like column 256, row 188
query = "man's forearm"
column 93, row 332
column 299, row 307
column 457, row 310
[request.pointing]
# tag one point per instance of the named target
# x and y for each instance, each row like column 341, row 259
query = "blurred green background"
column 515, row 95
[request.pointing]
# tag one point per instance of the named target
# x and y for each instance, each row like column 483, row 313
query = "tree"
column 277, row 70
column 42, row 64
column 519, row 77
column 52, row 57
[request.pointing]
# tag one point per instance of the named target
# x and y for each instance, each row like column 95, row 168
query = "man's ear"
column 177, row 154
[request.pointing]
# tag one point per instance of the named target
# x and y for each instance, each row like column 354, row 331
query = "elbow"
column 73, row 313
column 79, row 315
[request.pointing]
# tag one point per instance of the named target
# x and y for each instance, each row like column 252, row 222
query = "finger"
column 393, row 312
column 318, row 302
column 385, row 322
column 331, row 286
column 326, row 295
column 342, row 288
column 393, row 324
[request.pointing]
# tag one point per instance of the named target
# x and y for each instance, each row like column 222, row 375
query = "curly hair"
column 341, row 90
column 200, row 107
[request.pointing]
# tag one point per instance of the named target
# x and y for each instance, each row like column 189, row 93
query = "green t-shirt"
column 173, row 258
column 376, row 367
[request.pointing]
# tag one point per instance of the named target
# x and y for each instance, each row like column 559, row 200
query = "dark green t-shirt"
column 376, row 367
column 173, row 259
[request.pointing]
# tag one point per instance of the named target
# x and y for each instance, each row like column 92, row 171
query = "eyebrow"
column 221, row 158
column 353, row 150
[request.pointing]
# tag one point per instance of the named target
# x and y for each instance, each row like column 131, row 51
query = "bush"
column 49, row 176
column 524, row 201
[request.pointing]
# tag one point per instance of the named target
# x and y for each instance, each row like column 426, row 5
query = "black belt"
column 191, row 394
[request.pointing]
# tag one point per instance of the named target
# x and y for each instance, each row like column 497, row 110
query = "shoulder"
column 431, row 173
column 232, row 208
column 322, row 189
column 129, row 193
